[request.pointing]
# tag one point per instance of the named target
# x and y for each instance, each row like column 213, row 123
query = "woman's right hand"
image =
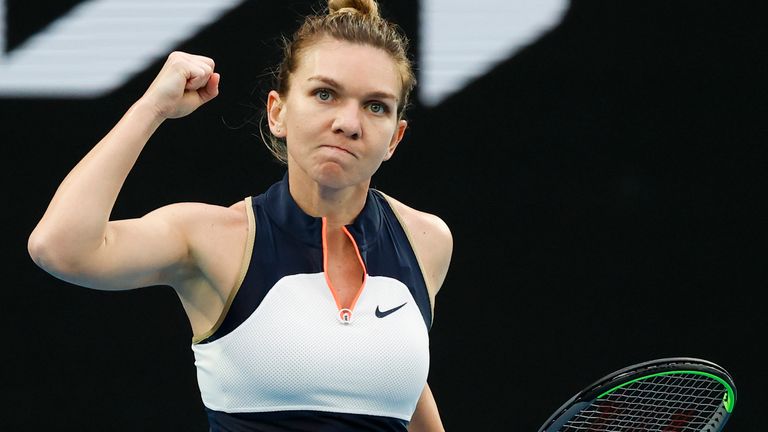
column 185, row 82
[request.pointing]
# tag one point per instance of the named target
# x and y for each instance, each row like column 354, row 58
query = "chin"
column 337, row 178
column 332, row 177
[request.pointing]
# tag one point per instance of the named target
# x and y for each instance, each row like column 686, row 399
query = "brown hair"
column 356, row 21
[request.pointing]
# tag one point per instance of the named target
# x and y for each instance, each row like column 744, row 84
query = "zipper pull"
column 345, row 316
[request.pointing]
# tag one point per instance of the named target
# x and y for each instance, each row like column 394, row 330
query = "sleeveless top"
column 284, row 356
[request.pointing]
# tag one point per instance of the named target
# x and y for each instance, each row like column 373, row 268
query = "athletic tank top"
column 284, row 356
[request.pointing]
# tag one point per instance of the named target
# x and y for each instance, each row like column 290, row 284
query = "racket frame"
column 637, row 372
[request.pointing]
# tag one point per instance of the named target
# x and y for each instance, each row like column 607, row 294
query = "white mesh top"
column 283, row 347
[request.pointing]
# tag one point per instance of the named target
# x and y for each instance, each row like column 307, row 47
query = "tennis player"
column 310, row 303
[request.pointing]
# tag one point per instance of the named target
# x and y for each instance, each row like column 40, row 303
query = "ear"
column 402, row 125
column 275, row 114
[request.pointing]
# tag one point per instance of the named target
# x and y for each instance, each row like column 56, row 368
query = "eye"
column 323, row 95
column 378, row 108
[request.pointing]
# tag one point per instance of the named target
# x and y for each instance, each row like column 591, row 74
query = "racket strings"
column 665, row 403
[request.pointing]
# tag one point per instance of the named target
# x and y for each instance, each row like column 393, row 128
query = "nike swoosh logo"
column 382, row 314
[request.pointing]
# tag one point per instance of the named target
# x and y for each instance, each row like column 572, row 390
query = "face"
column 339, row 118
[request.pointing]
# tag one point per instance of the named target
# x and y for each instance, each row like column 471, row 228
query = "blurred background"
column 600, row 164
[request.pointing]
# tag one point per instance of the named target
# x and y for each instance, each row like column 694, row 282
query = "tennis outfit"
column 285, row 356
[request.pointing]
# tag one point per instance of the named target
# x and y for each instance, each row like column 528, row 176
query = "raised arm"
column 75, row 240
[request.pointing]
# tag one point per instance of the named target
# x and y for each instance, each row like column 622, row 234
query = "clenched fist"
column 185, row 82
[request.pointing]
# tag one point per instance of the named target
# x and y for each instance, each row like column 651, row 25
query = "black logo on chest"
column 382, row 314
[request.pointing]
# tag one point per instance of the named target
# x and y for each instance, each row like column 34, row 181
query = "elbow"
column 40, row 248
column 50, row 253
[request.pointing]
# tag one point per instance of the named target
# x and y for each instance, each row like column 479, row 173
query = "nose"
column 347, row 121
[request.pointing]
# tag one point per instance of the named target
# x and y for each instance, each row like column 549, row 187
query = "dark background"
column 604, row 187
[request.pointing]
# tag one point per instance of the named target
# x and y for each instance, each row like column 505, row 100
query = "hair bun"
column 364, row 7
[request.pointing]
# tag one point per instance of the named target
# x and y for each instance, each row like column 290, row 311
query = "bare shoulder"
column 194, row 217
column 210, row 232
column 239, row 207
column 422, row 224
column 195, row 213
column 210, row 228
column 431, row 239
column 215, row 237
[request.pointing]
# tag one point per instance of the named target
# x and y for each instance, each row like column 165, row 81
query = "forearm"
column 77, row 216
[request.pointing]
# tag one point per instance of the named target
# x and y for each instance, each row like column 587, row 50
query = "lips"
column 339, row 149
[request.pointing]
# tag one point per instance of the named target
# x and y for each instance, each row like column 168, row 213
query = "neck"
column 340, row 206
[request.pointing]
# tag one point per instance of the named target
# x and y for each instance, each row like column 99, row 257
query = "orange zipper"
column 345, row 314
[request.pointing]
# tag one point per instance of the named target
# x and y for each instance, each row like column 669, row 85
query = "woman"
column 310, row 303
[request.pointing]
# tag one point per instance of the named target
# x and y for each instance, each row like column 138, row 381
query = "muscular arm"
column 75, row 240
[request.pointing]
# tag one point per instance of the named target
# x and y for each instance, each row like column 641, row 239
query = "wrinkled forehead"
column 356, row 67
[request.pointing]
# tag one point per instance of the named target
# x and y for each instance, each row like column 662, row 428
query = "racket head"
column 679, row 394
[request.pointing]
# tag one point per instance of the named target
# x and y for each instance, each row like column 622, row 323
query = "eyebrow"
column 333, row 83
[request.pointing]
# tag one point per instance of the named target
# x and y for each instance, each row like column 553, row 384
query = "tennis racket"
column 664, row 395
